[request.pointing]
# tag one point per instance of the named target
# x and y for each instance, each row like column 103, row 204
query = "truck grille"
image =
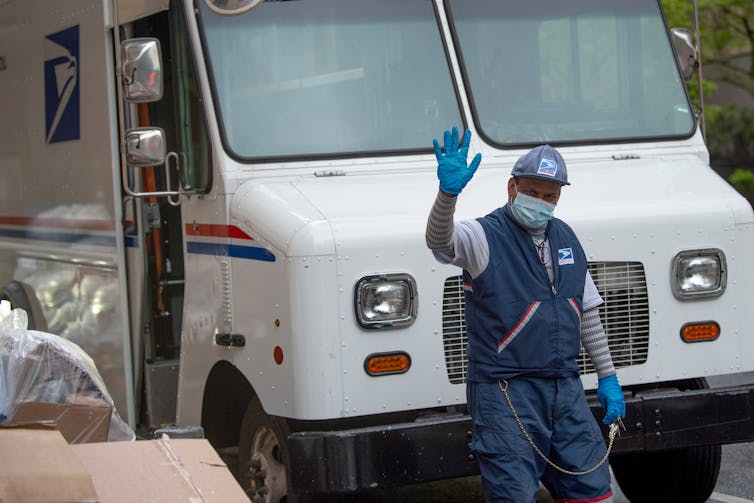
column 624, row 314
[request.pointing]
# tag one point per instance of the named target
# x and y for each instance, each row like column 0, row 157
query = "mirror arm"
column 129, row 79
column 164, row 193
column 702, row 122
column 174, row 156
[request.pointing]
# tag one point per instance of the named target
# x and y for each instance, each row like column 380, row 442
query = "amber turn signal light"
column 379, row 364
column 700, row 331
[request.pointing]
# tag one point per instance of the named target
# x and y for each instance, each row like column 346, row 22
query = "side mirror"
column 145, row 146
column 232, row 7
column 686, row 52
column 141, row 63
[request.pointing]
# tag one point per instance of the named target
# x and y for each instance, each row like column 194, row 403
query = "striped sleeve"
column 462, row 244
column 594, row 340
column 439, row 234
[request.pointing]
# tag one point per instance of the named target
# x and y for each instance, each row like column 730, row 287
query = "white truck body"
column 273, row 245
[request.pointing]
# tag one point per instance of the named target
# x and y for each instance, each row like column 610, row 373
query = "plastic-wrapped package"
column 42, row 374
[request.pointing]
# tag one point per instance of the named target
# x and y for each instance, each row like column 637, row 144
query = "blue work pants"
column 556, row 416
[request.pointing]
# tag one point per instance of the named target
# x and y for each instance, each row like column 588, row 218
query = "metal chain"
column 613, row 431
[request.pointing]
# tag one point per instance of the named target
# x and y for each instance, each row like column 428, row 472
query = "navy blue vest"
column 516, row 321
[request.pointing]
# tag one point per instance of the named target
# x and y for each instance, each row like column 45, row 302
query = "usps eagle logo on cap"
column 547, row 167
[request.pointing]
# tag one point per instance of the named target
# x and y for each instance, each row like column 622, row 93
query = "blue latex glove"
column 611, row 399
column 452, row 170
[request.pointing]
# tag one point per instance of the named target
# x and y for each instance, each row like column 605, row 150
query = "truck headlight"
column 385, row 300
column 699, row 274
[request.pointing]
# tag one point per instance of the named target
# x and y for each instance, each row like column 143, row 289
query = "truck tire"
column 22, row 296
column 263, row 455
column 263, row 463
column 681, row 475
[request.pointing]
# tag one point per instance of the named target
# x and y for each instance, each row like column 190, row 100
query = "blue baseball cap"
column 544, row 163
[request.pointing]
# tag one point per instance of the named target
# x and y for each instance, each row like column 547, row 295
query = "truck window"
column 570, row 72
column 324, row 77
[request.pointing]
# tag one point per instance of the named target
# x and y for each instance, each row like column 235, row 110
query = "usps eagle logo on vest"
column 61, row 69
column 547, row 167
column 565, row 256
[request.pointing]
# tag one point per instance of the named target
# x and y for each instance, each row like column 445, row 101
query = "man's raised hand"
column 452, row 169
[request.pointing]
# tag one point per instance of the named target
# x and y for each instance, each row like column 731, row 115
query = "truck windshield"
column 324, row 77
column 570, row 72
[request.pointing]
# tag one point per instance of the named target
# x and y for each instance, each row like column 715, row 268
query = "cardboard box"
column 38, row 465
column 166, row 470
column 78, row 422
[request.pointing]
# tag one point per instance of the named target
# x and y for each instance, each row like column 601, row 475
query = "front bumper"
column 437, row 447
column 664, row 420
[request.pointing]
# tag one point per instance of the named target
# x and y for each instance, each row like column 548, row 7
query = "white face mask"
column 532, row 212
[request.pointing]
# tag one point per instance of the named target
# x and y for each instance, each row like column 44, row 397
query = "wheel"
column 263, row 455
column 263, row 463
column 682, row 475
column 22, row 296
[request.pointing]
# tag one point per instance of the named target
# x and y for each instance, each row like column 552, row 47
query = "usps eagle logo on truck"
column 62, row 112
